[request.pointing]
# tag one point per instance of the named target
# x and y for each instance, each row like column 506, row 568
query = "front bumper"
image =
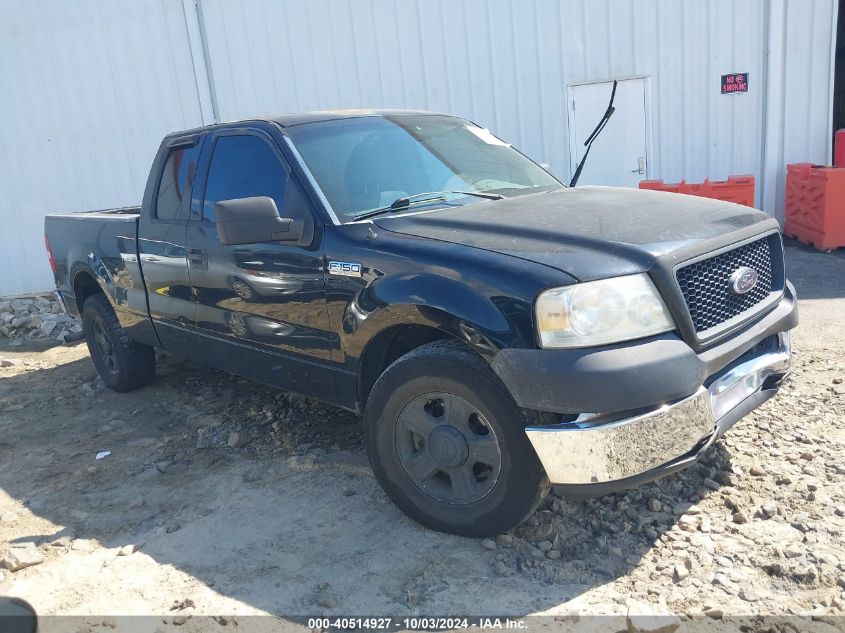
column 630, row 375
column 592, row 455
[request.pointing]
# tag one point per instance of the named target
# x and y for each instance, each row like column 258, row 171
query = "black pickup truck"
column 498, row 331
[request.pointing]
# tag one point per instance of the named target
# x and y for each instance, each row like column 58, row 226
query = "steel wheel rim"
column 237, row 324
column 447, row 448
column 103, row 345
column 242, row 289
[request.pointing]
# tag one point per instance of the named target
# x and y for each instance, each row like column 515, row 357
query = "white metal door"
column 620, row 155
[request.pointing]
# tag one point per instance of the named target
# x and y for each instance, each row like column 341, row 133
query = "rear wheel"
column 448, row 445
column 123, row 364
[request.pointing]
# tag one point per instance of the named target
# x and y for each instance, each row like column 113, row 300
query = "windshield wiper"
column 588, row 144
column 423, row 198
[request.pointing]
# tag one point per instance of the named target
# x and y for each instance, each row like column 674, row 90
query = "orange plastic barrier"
column 839, row 148
column 738, row 189
column 815, row 205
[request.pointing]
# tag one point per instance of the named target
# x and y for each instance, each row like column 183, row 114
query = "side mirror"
column 254, row 220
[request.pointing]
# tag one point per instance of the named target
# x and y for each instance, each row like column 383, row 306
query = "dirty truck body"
column 497, row 331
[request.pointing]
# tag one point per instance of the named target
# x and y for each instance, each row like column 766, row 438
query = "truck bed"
column 103, row 245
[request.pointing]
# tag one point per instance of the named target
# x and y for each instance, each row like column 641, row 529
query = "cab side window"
column 172, row 200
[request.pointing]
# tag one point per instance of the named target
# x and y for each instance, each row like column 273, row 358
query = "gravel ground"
column 221, row 496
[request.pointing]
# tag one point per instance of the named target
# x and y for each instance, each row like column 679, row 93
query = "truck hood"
column 586, row 232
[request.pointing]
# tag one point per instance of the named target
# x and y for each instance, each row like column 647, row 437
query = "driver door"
column 260, row 308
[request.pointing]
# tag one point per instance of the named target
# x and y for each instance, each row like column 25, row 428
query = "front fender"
column 486, row 323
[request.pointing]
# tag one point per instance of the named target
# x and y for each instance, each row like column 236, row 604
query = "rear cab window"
column 172, row 198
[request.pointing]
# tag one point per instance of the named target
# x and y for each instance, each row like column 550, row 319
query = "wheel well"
column 83, row 287
column 386, row 347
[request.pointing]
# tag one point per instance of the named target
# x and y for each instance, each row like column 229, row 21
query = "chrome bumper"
column 591, row 450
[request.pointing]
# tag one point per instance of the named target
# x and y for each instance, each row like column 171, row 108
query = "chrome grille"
column 706, row 284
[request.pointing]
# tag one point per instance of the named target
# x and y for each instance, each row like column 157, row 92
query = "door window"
column 242, row 167
column 172, row 201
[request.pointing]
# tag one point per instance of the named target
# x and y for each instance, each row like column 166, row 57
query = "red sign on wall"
column 735, row 82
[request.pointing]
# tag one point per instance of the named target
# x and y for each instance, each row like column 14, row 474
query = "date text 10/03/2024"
column 421, row 623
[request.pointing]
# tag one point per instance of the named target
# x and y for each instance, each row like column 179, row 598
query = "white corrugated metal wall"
column 95, row 84
column 88, row 90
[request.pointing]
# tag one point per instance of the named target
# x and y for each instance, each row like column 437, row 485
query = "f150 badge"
column 345, row 269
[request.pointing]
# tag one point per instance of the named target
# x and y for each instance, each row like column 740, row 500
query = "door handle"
column 198, row 256
column 640, row 166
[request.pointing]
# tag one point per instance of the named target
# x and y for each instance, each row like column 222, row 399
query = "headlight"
column 601, row 312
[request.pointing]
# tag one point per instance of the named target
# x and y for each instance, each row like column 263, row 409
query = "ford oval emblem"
column 743, row 280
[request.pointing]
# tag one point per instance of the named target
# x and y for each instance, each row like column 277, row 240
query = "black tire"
column 450, row 369
column 123, row 364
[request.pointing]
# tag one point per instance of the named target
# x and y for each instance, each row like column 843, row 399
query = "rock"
column 47, row 327
column 22, row 556
column 710, row 484
column 544, row 546
column 488, row 543
column 654, row 505
column 688, row 523
column 769, row 509
column 840, row 511
column 500, row 569
column 181, row 605
column 91, row 389
column 739, row 517
column 680, row 572
column 208, row 437
column 553, row 554
column 645, row 618
column 755, row 471
column 129, row 549
column 714, row 612
column 750, row 596
column 237, row 440
column 5, row 362
column 21, row 306
column 504, row 539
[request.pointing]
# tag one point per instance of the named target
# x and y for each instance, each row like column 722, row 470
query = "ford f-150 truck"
column 499, row 332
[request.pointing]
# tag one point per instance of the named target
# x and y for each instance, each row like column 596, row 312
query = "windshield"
column 365, row 164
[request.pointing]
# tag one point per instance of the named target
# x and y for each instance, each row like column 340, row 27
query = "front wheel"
column 123, row 364
column 448, row 445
